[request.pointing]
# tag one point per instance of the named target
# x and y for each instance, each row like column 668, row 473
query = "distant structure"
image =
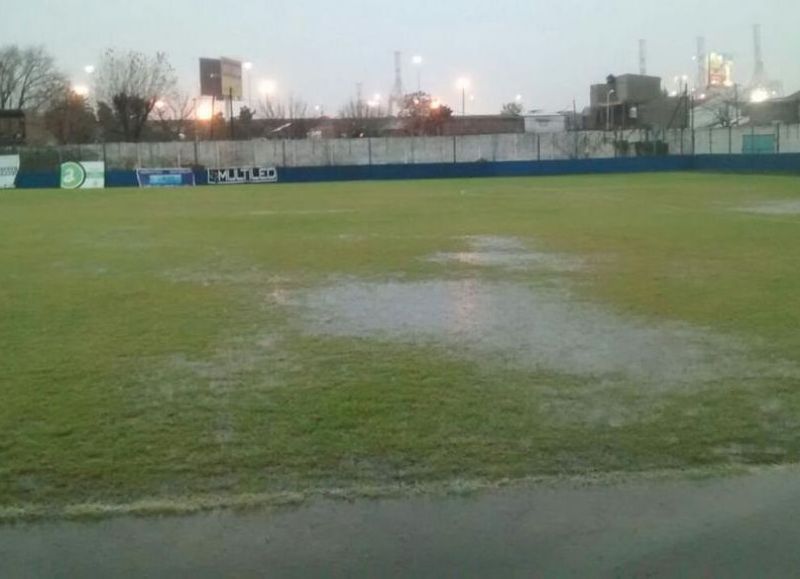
column 396, row 98
column 634, row 101
column 760, row 72
column 702, row 71
column 643, row 57
column 761, row 87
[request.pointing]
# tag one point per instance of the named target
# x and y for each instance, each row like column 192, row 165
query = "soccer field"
column 169, row 349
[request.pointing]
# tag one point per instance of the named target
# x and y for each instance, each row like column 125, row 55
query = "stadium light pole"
column 267, row 88
column 417, row 62
column 248, row 68
column 608, row 108
column 463, row 84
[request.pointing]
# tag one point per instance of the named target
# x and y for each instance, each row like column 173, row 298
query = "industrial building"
column 634, row 101
column 778, row 110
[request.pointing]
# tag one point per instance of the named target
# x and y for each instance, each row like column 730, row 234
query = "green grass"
column 144, row 359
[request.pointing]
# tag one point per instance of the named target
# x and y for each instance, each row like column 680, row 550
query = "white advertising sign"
column 9, row 167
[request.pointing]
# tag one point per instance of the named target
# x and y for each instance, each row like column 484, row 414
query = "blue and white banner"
column 9, row 167
column 165, row 177
column 241, row 175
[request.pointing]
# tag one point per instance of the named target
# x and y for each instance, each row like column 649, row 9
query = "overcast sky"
column 549, row 51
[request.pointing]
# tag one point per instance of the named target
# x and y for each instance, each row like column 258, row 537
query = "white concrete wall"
column 414, row 150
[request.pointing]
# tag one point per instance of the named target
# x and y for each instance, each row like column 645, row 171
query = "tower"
column 760, row 73
column 702, row 64
column 643, row 57
column 396, row 99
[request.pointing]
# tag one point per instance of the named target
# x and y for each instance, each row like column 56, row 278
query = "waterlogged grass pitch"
column 166, row 345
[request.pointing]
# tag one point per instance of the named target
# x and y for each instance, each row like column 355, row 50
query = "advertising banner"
column 211, row 77
column 241, row 175
column 9, row 167
column 165, row 177
column 84, row 175
column 231, row 78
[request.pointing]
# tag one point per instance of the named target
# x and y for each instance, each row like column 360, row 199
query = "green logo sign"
column 73, row 175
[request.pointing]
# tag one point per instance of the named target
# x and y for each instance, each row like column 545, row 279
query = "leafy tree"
column 29, row 79
column 512, row 109
column 421, row 114
column 130, row 84
column 70, row 119
column 246, row 127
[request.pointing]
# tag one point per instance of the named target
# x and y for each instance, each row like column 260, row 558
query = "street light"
column 608, row 108
column 463, row 83
column 267, row 88
column 89, row 69
column 417, row 61
column 204, row 111
column 81, row 90
column 248, row 67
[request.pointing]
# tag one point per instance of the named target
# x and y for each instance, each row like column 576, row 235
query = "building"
column 12, row 127
column 483, row 125
column 634, row 101
column 541, row 123
column 780, row 110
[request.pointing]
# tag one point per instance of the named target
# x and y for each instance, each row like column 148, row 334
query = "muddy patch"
column 530, row 327
column 787, row 207
column 507, row 253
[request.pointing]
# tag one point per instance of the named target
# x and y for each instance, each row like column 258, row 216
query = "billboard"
column 9, row 167
column 231, row 78
column 221, row 77
column 165, row 177
column 720, row 70
column 85, row 175
column 241, row 175
column 211, row 77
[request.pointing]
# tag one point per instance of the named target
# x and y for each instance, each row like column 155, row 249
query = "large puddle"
column 507, row 253
column 787, row 207
column 528, row 327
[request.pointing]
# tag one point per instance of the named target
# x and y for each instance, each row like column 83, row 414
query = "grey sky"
column 547, row 50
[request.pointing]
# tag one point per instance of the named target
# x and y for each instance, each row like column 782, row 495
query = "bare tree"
column 131, row 83
column 293, row 109
column 175, row 114
column 28, row 78
column 358, row 109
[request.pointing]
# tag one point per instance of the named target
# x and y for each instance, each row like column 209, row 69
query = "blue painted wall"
column 784, row 163
column 743, row 163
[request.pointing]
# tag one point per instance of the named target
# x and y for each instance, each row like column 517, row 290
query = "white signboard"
column 9, row 167
column 240, row 175
column 85, row 175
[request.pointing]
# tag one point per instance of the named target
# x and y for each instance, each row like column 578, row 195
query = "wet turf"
column 174, row 344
